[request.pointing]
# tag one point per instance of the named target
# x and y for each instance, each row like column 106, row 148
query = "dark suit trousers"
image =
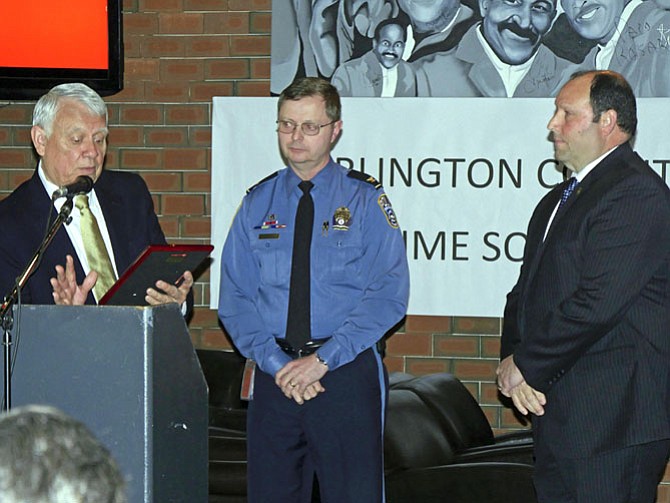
column 628, row 475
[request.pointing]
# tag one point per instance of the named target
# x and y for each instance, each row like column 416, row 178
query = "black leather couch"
column 439, row 446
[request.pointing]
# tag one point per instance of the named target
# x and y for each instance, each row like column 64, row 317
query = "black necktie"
column 298, row 330
column 568, row 190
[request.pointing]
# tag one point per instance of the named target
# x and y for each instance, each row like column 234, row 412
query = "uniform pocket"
column 338, row 260
column 274, row 260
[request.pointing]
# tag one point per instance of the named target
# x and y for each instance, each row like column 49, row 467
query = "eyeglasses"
column 307, row 128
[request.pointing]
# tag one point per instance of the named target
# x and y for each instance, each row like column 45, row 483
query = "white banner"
column 463, row 175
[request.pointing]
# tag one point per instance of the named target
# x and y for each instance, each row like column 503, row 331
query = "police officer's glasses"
column 307, row 128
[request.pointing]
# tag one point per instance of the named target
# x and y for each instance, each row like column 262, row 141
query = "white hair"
column 48, row 457
column 47, row 106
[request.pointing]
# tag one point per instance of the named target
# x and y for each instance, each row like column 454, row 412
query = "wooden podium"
column 132, row 376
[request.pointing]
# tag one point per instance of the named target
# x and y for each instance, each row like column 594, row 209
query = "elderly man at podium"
column 111, row 224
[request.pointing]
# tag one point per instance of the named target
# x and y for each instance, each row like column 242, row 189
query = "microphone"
column 81, row 185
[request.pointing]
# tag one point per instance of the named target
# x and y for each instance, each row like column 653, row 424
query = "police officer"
column 318, row 402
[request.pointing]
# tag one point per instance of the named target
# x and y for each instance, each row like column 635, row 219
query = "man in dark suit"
column 381, row 71
column 586, row 335
column 69, row 133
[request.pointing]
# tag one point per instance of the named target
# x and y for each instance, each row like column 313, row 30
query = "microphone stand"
column 6, row 318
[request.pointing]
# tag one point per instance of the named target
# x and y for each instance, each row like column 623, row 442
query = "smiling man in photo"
column 633, row 38
column 381, row 71
column 503, row 56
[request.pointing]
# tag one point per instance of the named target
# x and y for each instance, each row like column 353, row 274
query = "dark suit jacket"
column 588, row 321
column 129, row 214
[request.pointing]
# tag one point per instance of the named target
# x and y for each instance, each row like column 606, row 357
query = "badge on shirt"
column 386, row 207
column 342, row 219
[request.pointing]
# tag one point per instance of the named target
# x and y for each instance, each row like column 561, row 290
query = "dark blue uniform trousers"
column 337, row 435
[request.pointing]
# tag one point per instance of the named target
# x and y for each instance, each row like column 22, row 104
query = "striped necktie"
column 96, row 251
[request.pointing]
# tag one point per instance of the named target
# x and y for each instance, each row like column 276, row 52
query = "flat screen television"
column 45, row 42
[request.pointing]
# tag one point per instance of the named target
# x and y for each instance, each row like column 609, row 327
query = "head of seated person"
column 48, row 457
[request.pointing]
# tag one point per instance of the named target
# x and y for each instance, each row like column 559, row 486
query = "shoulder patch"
column 385, row 205
column 269, row 177
column 359, row 175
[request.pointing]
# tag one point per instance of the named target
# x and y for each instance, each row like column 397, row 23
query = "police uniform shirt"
column 359, row 272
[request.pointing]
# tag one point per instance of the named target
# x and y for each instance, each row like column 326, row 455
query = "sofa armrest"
column 521, row 452
column 413, row 436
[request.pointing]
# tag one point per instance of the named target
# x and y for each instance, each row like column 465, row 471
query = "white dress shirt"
column 73, row 227
column 389, row 81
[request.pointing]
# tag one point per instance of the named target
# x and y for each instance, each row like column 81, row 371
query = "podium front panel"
column 132, row 376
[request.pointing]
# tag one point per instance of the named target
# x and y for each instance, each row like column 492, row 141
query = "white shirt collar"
column 51, row 187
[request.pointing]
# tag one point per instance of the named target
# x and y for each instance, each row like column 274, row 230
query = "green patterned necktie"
column 96, row 251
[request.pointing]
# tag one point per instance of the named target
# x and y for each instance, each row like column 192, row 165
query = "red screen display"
column 54, row 34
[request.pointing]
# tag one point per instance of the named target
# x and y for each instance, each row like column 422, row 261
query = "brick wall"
column 178, row 54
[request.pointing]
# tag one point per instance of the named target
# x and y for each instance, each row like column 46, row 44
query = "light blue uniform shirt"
column 359, row 272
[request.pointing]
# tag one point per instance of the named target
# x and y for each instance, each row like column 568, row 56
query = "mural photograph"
column 469, row 48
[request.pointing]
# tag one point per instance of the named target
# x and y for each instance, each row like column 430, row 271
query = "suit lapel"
column 112, row 206
column 374, row 73
column 535, row 236
column 37, row 207
column 598, row 180
column 561, row 211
